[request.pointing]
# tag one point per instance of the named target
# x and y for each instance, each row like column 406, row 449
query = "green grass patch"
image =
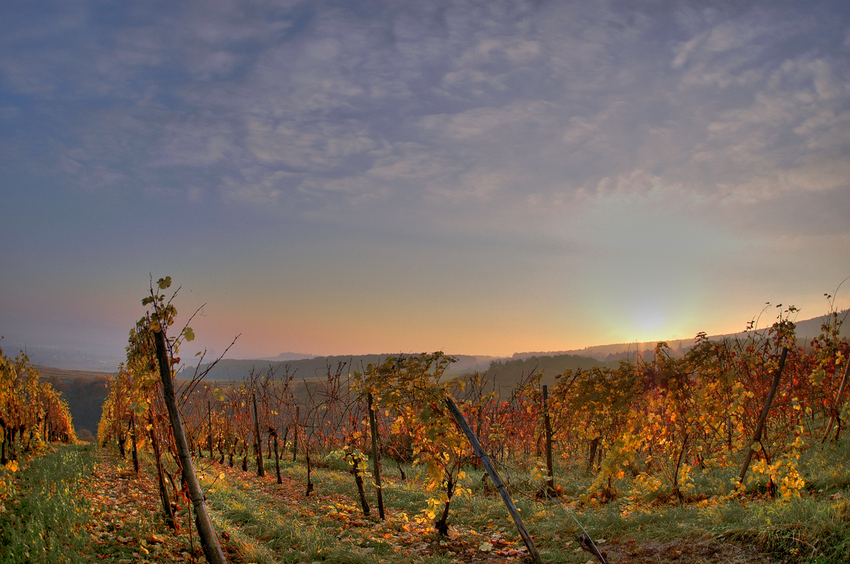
column 268, row 523
column 44, row 519
column 807, row 529
column 269, row 532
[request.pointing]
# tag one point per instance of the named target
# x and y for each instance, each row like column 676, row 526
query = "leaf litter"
column 127, row 527
column 126, row 523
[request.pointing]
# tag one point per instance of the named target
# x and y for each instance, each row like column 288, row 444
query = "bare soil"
column 687, row 551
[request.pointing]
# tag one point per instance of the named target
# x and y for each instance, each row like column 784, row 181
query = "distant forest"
column 85, row 393
column 509, row 372
column 505, row 372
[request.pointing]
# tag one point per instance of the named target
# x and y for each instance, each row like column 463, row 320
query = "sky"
column 477, row 177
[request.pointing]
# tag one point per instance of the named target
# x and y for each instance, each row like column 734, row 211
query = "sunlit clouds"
column 382, row 177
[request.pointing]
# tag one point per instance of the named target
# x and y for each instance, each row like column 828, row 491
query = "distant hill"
column 509, row 372
column 49, row 372
column 85, row 390
column 66, row 357
column 282, row 357
column 807, row 330
column 318, row 367
column 504, row 372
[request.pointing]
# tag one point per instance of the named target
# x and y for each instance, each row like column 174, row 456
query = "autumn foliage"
column 32, row 413
column 648, row 429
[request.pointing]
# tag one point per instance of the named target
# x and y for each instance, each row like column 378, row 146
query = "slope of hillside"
column 319, row 367
column 807, row 330
column 509, row 372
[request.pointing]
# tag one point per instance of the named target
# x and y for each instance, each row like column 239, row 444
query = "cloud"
column 410, row 162
column 309, row 147
column 787, row 124
column 195, row 143
column 521, row 108
column 215, row 64
column 482, row 124
column 462, row 154
column 257, row 187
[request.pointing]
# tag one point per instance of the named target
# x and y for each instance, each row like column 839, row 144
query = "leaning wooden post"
column 376, row 456
column 763, row 418
column 206, row 531
column 494, row 476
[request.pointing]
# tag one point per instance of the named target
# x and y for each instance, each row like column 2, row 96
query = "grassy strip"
column 813, row 528
column 267, row 533
column 806, row 529
column 327, row 527
column 44, row 519
column 641, row 525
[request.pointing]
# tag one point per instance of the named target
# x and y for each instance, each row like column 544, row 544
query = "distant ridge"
column 284, row 356
column 318, row 367
column 807, row 330
column 310, row 366
column 67, row 358
column 511, row 372
column 508, row 368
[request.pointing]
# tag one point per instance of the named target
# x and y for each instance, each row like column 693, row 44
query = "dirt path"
column 688, row 552
column 401, row 537
column 126, row 518
column 127, row 526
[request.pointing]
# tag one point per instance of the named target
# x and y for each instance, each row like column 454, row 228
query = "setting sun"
column 650, row 324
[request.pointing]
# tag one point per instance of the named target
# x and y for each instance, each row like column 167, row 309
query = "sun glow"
column 649, row 320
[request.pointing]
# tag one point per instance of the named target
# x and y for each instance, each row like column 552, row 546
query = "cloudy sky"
column 380, row 176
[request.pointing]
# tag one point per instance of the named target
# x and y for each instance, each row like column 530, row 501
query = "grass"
column 269, row 531
column 44, row 517
column 270, row 523
column 329, row 526
column 814, row 528
column 807, row 528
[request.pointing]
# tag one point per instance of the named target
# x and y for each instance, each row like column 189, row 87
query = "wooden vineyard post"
column 167, row 509
column 760, row 427
column 133, row 437
column 376, row 460
column 358, row 480
column 494, row 476
column 547, row 423
column 295, row 434
column 206, row 530
column 273, row 431
column 261, row 471
column 209, row 426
